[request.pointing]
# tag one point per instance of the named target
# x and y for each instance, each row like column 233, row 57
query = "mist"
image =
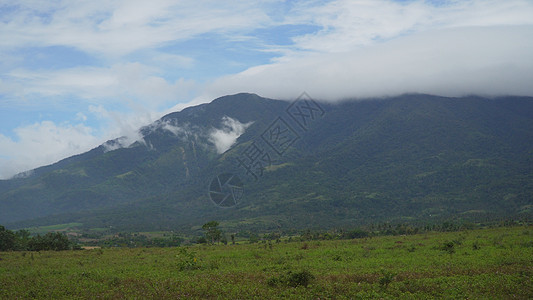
column 226, row 136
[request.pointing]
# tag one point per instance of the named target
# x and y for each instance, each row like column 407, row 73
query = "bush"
column 187, row 260
column 201, row 240
column 293, row 279
column 302, row 278
column 274, row 281
column 475, row 246
column 386, row 278
column 448, row 247
column 254, row 238
column 356, row 234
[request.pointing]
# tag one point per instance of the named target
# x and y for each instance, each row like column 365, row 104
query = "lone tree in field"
column 212, row 232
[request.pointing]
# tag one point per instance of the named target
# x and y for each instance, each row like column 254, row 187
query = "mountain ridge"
column 410, row 157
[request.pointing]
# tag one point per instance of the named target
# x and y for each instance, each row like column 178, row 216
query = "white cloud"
column 172, row 60
column 124, row 125
column 119, row 27
column 348, row 25
column 223, row 138
column 492, row 60
column 116, row 28
column 374, row 48
column 42, row 143
column 46, row 142
column 128, row 82
column 175, row 130
column 81, row 117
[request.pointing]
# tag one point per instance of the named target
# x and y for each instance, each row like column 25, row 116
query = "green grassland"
column 495, row 263
column 68, row 227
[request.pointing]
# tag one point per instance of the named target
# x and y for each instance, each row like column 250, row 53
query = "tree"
column 22, row 238
column 7, row 239
column 212, row 232
column 50, row 241
column 254, row 238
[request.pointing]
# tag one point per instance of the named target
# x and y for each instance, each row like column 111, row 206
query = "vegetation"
column 22, row 241
column 491, row 263
column 212, row 233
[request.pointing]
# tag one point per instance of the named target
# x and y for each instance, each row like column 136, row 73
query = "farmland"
column 480, row 263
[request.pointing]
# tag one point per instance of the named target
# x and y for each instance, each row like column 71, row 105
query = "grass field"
column 60, row 227
column 478, row 264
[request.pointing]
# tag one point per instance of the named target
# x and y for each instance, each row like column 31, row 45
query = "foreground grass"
column 489, row 263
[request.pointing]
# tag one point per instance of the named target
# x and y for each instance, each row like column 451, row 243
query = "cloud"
column 121, row 142
column 226, row 136
column 128, row 82
column 81, row 117
column 490, row 60
column 114, row 28
column 185, row 132
column 42, row 143
column 176, row 130
column 47, row 142
column 348, row 25
column 172, row 60
column 124, row 125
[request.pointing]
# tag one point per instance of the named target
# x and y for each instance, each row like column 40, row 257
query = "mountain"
column 256, row 163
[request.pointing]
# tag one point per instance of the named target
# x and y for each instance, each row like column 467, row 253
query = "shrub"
column 292, row 279
column 302, row 278
column 448, row 247
column 201, row 240
column 356, row 234
column 274, row 281
column 254, row 238
column 386, row 278
column 475, row 246
column 187, row 260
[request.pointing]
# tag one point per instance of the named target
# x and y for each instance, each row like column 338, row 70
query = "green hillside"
column 415, row 158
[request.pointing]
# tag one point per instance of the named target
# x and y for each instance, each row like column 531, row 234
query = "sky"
column 74, row 74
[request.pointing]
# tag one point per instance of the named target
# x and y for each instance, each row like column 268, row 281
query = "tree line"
column 22, row 240
column 213, row 234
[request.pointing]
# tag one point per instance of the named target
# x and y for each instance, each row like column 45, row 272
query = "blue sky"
column 74, row 74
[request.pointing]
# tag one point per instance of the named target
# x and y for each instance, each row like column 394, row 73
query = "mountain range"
column 254, row 163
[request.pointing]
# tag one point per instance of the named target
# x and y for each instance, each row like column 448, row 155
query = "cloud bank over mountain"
column 491, row 61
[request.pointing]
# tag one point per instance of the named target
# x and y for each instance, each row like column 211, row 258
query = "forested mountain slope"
column 297, row 164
